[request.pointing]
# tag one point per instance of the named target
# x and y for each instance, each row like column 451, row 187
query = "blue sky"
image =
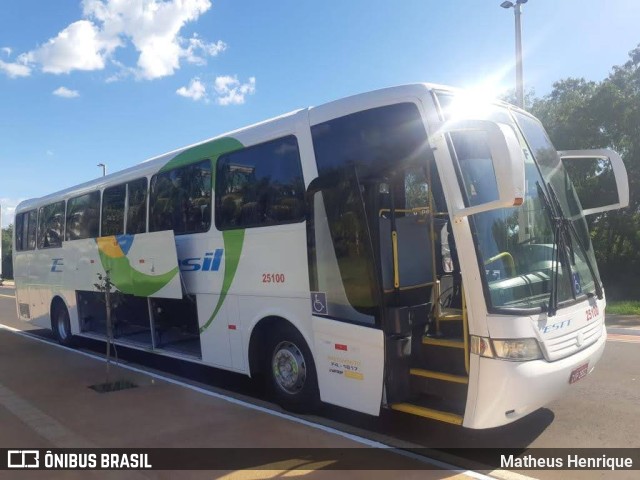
column 120, row 81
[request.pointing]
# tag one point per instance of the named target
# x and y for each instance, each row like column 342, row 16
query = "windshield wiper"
column 563, row 233
column 558, row 241
column 569, row 229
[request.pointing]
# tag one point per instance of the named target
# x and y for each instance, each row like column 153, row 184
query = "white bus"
column 409, row 248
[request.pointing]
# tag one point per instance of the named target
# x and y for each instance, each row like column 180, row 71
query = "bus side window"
column 180, row 199
column 51, row 225
column 32, row 227
column 137, row 206
column 83, row 216
column 19, row 231
column 260, row 185
column 25, row 223
column 113, row 210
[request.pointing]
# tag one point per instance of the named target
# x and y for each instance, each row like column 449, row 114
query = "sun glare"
column 475, row 102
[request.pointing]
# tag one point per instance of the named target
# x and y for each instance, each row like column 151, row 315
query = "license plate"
column 579, row 373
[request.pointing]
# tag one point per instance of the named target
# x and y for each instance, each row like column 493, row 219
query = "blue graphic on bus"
column 209, row 263
column 577, row 286
column 57, row 265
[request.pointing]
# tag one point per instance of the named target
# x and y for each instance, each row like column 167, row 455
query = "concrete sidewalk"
column 45, row 402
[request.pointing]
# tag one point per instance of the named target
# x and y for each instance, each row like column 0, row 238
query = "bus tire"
column 291, row 374
column 61, row 325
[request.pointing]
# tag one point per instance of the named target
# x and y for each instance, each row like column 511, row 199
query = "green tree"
column 511, row 97
column 580, row 114
column 7, row 246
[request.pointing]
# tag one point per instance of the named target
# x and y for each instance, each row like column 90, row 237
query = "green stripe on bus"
column 130, row 281
column 233, row 241
column 211, row 150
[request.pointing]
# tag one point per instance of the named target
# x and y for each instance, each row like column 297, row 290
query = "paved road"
column 603, row 410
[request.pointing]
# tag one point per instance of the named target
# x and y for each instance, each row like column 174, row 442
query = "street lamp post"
column 519, row 81
column 104, row 168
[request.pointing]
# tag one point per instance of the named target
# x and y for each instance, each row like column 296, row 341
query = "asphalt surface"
column 45, row 404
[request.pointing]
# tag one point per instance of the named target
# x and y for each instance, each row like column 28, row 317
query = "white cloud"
column 197, row 47
column 227, row 90
column 66, row 93
column 14, row 70
column 152, row 26
column 122, row 73
column 80, row 46
column 230, row 91
column 195, row 91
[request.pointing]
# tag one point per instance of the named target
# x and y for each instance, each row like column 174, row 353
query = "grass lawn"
column 624, row 307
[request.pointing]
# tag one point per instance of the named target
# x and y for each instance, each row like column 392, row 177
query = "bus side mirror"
column 599, row 177
column 491, row 165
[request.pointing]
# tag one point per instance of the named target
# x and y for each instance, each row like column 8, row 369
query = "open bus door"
column 357, row 247
column 349, row 348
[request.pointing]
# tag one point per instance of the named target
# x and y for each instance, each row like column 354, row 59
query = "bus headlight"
column 520, row 349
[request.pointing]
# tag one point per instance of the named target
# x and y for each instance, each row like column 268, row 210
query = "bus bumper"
column 507, row 391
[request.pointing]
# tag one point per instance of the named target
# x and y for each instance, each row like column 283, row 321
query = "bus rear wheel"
column 61, row 325
column 291, row 377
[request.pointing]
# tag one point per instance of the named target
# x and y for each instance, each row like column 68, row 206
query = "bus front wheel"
column 291, row 378
column 61, row 325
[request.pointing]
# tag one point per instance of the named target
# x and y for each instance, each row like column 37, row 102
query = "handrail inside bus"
column 509, row 261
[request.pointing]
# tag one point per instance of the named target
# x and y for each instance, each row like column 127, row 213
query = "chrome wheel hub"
column 288, row 367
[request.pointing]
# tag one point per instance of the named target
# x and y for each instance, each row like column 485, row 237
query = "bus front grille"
column 566, row 345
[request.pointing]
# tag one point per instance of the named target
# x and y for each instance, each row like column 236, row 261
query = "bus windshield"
column 519, row 249
column 585, row 277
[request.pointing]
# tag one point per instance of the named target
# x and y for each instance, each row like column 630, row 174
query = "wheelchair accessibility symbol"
column 319, row 303
column 577, row 286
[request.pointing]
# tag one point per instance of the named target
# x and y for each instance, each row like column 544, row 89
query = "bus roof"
column 151, row 165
